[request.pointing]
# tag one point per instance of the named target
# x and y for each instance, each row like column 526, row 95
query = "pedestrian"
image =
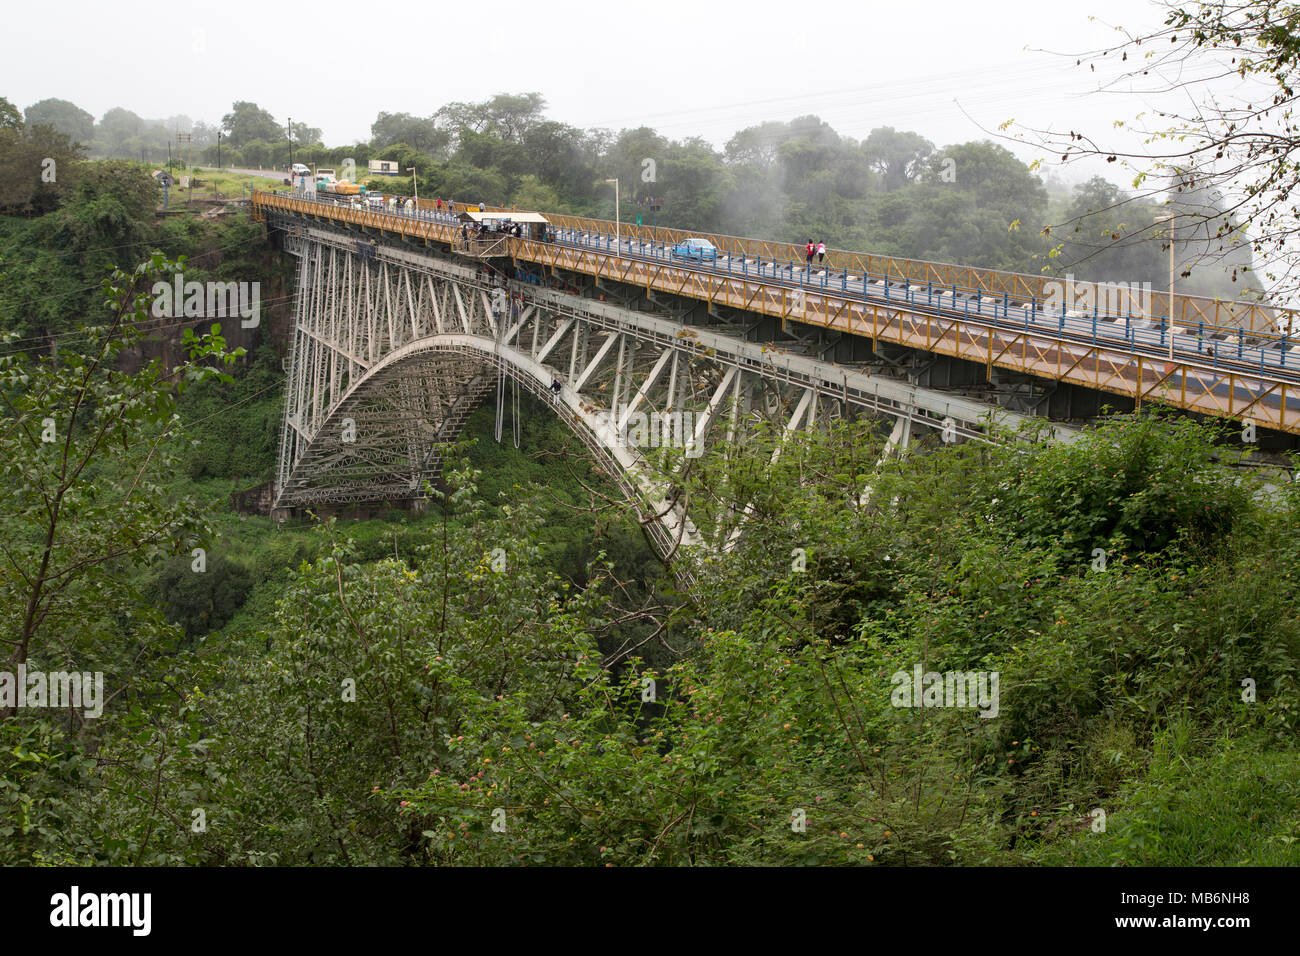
column 438, row 203
column 821, row 252
column 464, row 233
column 809, row 250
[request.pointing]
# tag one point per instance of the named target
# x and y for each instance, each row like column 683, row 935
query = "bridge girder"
column 394, row 347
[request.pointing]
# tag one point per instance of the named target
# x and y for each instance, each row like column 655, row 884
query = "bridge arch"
column 468, row 364
column 394, row 346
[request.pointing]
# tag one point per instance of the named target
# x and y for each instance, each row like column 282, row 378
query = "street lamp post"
column 416, row 183
column 1169, row 217
column 618, row 221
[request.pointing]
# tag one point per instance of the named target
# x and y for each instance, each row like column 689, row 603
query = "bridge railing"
column 1136, row 327
column 1212, row 314
column 1228, row 378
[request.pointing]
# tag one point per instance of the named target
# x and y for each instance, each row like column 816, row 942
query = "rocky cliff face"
column 273, row 274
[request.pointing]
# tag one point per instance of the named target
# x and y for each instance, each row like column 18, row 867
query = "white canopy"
column 520, row 217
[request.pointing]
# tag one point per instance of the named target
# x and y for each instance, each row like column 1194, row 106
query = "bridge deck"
column 1222, row 365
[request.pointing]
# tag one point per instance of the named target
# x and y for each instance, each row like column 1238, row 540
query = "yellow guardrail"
column 1212, row 386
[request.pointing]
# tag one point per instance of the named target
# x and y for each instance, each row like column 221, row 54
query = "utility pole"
column 291, row 144
column 218, row 149
column 1171, row 287
column 618, row 228
column 1169, row 217
column 186, row 138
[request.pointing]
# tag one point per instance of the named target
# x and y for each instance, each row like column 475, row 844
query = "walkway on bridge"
column 1224, row 362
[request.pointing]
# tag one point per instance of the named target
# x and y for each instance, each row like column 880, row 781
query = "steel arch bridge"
column 393, row 347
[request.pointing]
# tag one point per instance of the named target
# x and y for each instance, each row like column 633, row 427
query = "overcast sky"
column 686, row 68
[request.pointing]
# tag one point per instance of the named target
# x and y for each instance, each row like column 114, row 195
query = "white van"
column 300, row 170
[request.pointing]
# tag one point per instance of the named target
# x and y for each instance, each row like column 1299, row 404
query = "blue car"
column 699, row 249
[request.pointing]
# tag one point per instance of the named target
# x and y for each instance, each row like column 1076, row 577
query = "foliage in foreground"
column 426, row 708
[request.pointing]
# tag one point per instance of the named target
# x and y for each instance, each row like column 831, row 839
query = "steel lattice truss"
column 393, row 349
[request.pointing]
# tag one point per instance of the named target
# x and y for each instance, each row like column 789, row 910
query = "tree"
column 204, row 135
column 83, row 448
column 898, row 156
column 247, row 122
column 260, row 154
column 531, row 194
column 1094, row 249
column 38, row 166
column 506, row 116
column 68, row 118
column 511, row 116
column 200, row 602
column 10, row 116
column 115, row 200
column 302, row 133
column 756, row 145
column 1238, row 147
column 421, row 134
column 810, row 148
column 695, row 184
column 557, row 156
column 116, row 127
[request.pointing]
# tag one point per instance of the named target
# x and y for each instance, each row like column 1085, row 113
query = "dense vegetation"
column 388, row 702
column 386, row 692
column 512, row 677
column 892, row 192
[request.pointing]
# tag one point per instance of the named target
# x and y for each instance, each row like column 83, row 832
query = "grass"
column 1236, row 805
column 220, row 184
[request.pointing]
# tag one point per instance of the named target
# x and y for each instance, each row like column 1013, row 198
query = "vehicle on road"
column 699, row 249
column 300, row 170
